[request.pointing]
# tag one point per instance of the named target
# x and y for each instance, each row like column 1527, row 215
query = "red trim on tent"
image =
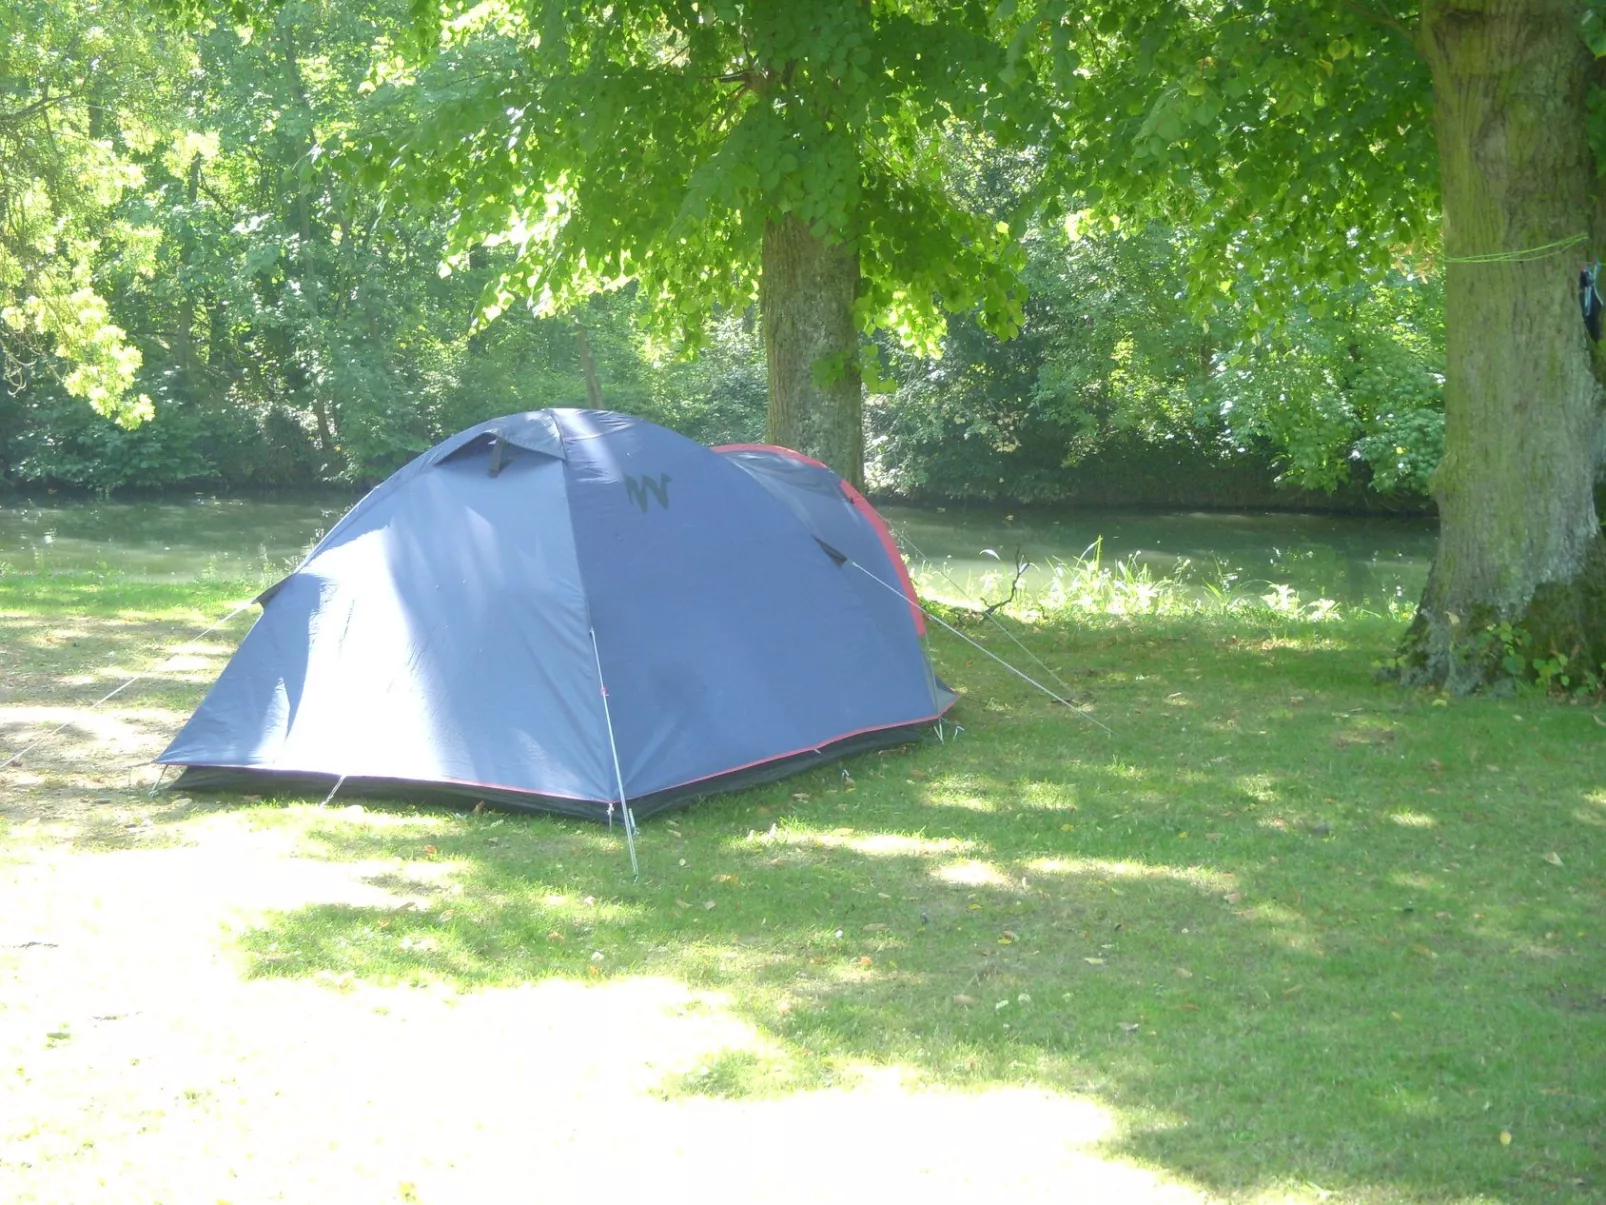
column 602, row 803
column 764, row 761
column 861, row 504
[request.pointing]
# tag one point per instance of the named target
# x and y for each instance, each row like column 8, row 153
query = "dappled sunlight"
column 121, row 731
column 352, row 818
column 1261, row 788
column 994, row 968
column 1198, row 877
column 1417, row 882
column 971, row 873
column 1047, row 796
column 598, row 1089
column 1594, row 814
column 1413, row 819
column 874, row 845
column 965, row 800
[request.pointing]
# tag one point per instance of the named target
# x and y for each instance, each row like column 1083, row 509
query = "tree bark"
column 1520, row 556
column 588, row 367
column 811, row 344
column 184, row 350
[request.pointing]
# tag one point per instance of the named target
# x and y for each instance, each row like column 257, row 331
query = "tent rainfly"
column 566, row 610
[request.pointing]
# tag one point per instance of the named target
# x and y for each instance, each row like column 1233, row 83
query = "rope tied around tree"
column 1525, row 255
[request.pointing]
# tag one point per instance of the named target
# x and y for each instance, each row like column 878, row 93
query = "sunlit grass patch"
column 1283, row 925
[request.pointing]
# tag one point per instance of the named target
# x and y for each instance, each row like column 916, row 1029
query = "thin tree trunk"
column 807, row 292
column 1520, row 549
column 588, row 367
column 185, row 349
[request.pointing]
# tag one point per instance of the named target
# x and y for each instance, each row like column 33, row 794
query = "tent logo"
column 639, row 487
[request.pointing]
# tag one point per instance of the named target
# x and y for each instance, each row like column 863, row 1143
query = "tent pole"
column 618, row 775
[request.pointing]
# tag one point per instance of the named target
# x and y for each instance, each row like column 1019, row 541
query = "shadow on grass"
column 1294, row 927
column 1298, row 929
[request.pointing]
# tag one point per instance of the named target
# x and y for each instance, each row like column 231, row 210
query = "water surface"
column 1352, row 560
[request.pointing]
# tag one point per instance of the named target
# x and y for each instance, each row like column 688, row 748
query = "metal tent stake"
column 618, row 775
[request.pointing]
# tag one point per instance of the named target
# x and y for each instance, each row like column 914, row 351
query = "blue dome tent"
column 566, row 610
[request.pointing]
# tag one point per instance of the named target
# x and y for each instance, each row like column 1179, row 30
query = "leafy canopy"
column 84, row 95
column 653, row 140
column 1292, row 138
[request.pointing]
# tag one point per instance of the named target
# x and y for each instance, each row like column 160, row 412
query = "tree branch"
column 20, row 115
column 1384, row 21
column 1021, row 566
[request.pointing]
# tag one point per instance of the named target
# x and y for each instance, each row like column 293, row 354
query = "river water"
column 1357, row 561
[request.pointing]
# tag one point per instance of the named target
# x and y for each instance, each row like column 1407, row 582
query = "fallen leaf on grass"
column 877, row 927
column 554, row 936
column 1553, row 858
column 1129, row 1026
column 1505, row 1137
column 1234, row 897
column 965, row 1001
column 1097, row 962
column 1011, row 935
column 708, row 905
column 683, row 903
column 727, row 878
column 1184, row 973
column 865, row 960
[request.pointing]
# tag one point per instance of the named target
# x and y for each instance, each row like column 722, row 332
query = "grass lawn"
column 1280, row 933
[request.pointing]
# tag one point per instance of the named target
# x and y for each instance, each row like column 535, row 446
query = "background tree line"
column 188, row 244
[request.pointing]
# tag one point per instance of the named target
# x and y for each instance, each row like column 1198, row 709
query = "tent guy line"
column 990, row 613
column 16, row 758
column 982, row 648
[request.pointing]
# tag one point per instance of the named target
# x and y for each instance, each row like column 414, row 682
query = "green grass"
column 1303, row 933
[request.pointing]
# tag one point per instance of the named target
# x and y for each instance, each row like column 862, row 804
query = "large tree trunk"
column 806, row 293
column 1520, row 554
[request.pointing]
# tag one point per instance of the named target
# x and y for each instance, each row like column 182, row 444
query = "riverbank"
column 1279, row 934
column 1374, row 563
